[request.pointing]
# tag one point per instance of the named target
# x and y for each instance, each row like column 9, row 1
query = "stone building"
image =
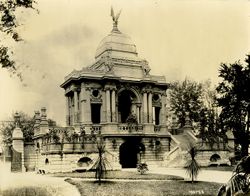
column 117, row 101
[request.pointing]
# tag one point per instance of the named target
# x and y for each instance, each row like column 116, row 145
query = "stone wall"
column 203, row 158
column 51, row 159
column 29, row 156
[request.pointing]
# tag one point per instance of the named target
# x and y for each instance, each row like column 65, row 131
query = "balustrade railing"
column 96, row 129
column 130, row 127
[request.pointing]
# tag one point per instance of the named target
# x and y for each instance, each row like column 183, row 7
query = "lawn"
column 119, row 175
column 219, row 168
column 145, row 188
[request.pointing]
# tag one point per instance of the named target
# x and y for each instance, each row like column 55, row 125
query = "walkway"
column 204, row 175
column 55, row 186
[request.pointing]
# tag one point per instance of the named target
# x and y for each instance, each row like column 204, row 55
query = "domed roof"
column 117, row 43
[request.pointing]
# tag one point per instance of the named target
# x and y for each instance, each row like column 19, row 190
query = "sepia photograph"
column 124, row 98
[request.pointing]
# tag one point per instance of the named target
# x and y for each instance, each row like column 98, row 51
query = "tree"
column 101, row 163
column 192, row 166
column 240, row 181
column 186, row 97
column 8, row 29
column 234, row 100
column 26, row 125
column 199, row 101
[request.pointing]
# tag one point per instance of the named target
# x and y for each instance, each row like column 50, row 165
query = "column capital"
column 146, row 90
column 109, row 87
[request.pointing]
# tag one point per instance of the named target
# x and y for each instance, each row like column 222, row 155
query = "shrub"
column 142, row 168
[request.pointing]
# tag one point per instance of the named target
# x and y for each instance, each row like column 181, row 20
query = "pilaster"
column 150, row 108
column 113, row 105
column 108, row 114
column 145, row 107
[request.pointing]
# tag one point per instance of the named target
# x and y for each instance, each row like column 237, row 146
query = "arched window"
column 84, row 161
column 46, row 161
column 215, row 158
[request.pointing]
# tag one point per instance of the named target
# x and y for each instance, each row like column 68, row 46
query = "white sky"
column 179, row 38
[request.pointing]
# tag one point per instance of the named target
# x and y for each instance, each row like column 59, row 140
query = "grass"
column 25, row 191
column 219, row 168
column 120, row 175
column 145, row 188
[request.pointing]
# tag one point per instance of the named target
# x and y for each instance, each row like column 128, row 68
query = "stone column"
column 17, row 162
column 145, row 108
column 108, row 105
column 162, row 116
column 83, row 99
column 75, row 107
column 113, row 106
column 67, row 110
column 103, row 107
column 150, row 108
column 88, row 107
column 44, row 127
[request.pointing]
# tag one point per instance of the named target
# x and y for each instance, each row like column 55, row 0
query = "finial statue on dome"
column 115, row 19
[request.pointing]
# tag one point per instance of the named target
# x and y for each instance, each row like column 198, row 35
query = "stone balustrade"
column 130, row 128
column 96, row 129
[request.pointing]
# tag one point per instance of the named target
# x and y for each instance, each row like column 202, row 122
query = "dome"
column 118, row 44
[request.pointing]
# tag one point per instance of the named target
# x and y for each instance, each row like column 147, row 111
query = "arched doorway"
column 129, row 152
column 125, row 102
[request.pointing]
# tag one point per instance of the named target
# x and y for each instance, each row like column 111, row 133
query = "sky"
column 179, row 38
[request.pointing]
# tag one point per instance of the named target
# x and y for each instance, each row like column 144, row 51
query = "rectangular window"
column 157, row 115
column 96, row 113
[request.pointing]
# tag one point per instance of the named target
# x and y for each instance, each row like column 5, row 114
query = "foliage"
column 240, row 180
column 142, row 168
column 132, row 122
column 26, row 125
column 186, row 97
column 198, row 100
column 82, row 136
column 51, row 123
column 192, row 166
column 74, row 138
column 53, row 134
column 210, row 129
column 8, row 28
column 101, row 163
column 234, row 100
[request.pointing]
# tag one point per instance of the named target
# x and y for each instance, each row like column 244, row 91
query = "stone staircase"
column 176, row 157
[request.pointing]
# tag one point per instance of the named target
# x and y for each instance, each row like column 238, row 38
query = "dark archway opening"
column 96, row 113
column 125, row 99
column 130, row 152
column 215, row 158
column 84, row 161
